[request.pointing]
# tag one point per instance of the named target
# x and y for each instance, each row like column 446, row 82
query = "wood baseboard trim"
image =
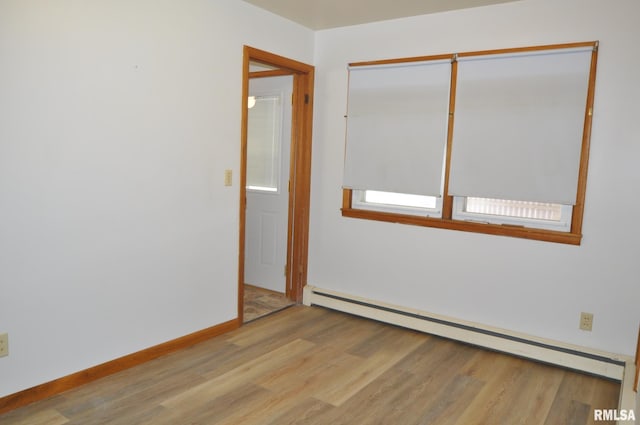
column 57, row 386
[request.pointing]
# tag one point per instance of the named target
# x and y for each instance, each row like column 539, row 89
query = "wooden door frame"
column 299, row 173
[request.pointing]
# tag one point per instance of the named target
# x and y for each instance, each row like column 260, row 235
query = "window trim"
column 572, row 237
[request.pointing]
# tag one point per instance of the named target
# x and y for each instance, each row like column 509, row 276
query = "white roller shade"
column 397, row 127
column 519, row 124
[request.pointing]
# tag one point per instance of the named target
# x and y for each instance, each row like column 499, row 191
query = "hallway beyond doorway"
column 259, row 302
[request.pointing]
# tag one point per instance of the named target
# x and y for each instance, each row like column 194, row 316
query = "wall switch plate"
column 586, row 321
column 228, row 177
column 4, row 344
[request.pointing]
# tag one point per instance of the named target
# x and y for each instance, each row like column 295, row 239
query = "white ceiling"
column 323, row 14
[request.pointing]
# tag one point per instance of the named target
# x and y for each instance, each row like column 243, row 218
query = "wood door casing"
column 300, row 174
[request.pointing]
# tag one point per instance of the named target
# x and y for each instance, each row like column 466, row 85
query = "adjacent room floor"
column 259, row 302
column 310, row 365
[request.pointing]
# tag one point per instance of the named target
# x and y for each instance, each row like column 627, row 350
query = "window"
column 402, row 203
column 494, row 141
column 397, row 127
column 264, row 126
column 538, row 215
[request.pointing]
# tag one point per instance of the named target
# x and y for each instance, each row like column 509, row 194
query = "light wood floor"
column 259, row 302
column 308, row 365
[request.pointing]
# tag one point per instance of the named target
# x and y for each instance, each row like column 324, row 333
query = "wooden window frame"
column 573, row 237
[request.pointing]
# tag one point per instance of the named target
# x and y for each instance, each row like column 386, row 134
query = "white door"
column 268, row 158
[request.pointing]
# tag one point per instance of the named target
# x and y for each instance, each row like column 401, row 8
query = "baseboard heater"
column 552, row 352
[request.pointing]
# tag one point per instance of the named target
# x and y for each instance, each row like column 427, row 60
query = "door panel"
column 267, row 192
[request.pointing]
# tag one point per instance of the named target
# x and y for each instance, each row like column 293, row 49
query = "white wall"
column 117, row 120
column 533, row 287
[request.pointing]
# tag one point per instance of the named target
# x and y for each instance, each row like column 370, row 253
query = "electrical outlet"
column 586, row 321
column 4, row 344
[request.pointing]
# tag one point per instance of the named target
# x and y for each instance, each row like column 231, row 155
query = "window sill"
column 467, row 226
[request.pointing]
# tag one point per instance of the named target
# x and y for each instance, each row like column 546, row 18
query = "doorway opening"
column 274, row 182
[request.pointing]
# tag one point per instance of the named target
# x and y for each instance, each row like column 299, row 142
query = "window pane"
column 402, row 199
column 519, row 209
column 519, row 124
column 263, row 143
column 397, row 127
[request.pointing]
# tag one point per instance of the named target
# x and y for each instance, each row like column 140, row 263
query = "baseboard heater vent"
column 577, row 358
